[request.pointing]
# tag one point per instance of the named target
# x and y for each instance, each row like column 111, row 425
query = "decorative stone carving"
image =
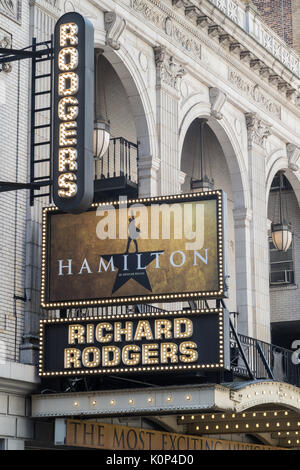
column 225, row 39
column 258, row 130
column 217, row 100
column 246, row 56
column 290, row 92
column 215, row 30
column 178, row 3
column 264, row 71
column 11, row 8
column 203, row 21
column 293, row 155
column 165, row 21
column 187, row 42
column 235, row 47
column 191, row 11
column 273, row 78
column 6, row 43
column 256, row 64
column 255, row 93
column 143, row 60
column 169, row 72
column 114, row 27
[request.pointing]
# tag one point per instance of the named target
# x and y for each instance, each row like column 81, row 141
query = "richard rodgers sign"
column 170, row 341
column 154, row 249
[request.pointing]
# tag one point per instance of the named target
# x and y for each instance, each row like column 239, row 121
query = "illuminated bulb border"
column 145, row 298
column 129, row 369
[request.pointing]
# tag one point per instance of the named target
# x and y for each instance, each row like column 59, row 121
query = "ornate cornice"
column 201, row 18
column 258, row 130
column 169, row 71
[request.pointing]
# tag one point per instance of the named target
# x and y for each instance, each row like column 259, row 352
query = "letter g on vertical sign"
column 73, row 114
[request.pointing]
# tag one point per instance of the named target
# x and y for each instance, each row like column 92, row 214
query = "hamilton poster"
column 155, row 249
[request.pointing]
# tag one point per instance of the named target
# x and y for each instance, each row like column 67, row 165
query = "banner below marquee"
column 167, row 248
column 115, row 437
column 182, row 341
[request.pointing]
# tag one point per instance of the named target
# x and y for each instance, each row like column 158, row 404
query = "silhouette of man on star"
column 134, row 233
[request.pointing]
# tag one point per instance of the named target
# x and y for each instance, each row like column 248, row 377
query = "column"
column 242, row 229
column 148, row 168
column 258, row 132
column 168, row 75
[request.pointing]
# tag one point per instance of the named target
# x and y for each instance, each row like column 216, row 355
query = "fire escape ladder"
column 41, row 120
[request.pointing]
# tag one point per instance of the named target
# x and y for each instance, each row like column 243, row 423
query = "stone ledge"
column 18, row 378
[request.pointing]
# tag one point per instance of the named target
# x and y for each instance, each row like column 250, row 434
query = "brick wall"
column 278, row 15
column 14, row 168
column 285, row 300
column 296, row 24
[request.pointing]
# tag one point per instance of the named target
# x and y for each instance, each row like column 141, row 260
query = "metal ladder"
column 42, row 87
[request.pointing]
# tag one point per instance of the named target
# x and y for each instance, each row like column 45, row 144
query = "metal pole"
column 202, row 124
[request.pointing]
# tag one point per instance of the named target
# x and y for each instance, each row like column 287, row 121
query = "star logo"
column 132, row 266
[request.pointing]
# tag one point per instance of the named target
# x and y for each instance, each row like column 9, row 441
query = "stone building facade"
column 167, row 64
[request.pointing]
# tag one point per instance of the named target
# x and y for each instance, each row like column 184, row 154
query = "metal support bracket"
column 6, row 186
column 8, row 55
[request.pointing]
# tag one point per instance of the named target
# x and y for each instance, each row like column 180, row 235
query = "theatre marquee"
column 167, row 248
column 182, row 341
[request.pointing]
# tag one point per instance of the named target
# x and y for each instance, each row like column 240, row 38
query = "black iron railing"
column 101, row 311
column 121, row 159
column 265, row 361
column 250, row 358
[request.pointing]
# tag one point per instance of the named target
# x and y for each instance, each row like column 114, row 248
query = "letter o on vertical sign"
column 73, row 114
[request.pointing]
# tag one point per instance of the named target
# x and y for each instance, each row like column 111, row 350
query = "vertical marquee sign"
column 73, row 113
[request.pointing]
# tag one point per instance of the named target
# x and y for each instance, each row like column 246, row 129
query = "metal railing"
column 110, row 311
column 121, row 159
column 249, row 358
column 266, row 361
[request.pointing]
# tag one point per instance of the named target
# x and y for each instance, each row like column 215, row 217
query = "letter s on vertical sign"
column 73, row 114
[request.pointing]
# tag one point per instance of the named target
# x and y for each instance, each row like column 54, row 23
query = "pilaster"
column 258, row 132
column 168, row 75
column 148, row 167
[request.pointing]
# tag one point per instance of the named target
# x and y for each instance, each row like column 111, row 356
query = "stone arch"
column 141, row 108
column 279, row 161
column 239, row 210
column 230, row 146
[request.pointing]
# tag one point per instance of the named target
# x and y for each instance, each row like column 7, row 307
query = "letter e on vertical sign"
column 73, row 178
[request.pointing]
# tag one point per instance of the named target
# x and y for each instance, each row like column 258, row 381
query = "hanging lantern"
column 101, row 123
column 282, row 231
column 282, row 236
column 101, row 138
column 203, row 183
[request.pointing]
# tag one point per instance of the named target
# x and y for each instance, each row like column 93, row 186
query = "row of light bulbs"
column 149, row 400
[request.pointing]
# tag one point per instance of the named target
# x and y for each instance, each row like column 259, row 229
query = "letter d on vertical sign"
column 73, row 114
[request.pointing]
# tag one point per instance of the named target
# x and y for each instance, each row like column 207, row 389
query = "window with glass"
column 281, row 266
